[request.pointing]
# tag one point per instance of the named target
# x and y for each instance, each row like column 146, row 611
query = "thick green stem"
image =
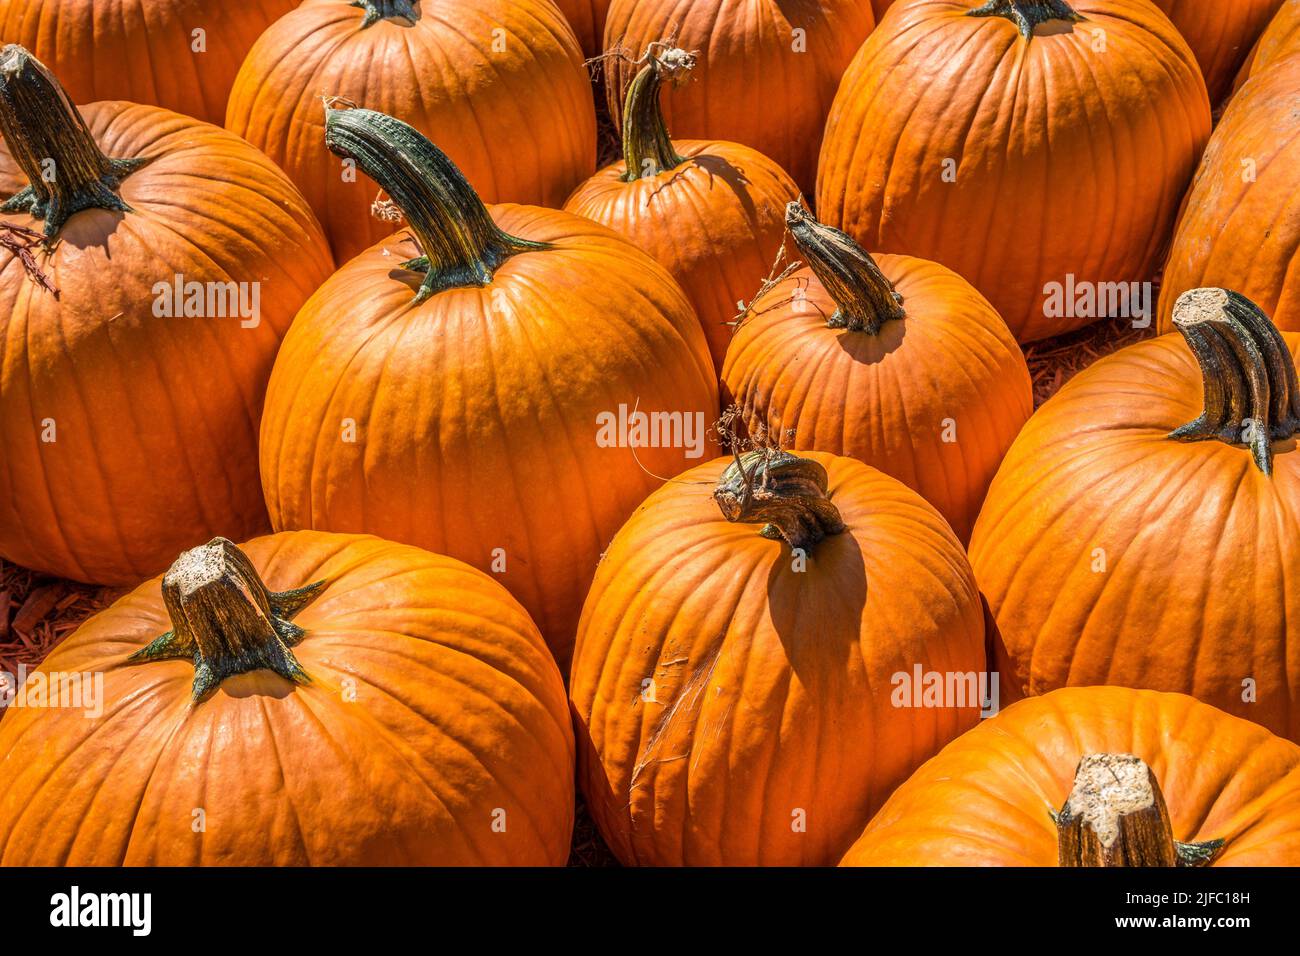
column 1027, row 15
column 461, row 245
column 224, row 619
column 48, row 139
column 647, row 147
column 1116, row 817
column 377, row 10
column 1251, row 394
column 787, row 494
column 866, row 300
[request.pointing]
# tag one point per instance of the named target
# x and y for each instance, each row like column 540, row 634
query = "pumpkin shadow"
column 817, row 612
column 872, row 349
column 734, row 178
column 91, row 229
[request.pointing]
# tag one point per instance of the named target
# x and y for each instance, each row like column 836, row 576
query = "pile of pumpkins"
column 461, row 475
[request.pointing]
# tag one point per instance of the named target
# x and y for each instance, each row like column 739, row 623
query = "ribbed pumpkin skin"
column 519, row 124
column 880, row 6
column 771, row 686
column 142, row 50
column 887, row 399
column 1220, row 34
column 587, row 17
column 1200, row 547
column 477, row 428
column 715, row 223
column 456, row 710
column 1032, row 202
column 1278, row 41
column 749, row 86
column 156, row 418
column 1234, row 233
column 985, row 800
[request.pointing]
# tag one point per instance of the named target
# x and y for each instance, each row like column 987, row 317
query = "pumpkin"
column 899, row 364
column 302, row 699
column 767, row 73
column 880, row 6
column 709, row 212
column 130, row 400
column 587, row 17
column 499, row 82
column 1144, row 526
column 994, row 140
column 178, row 54
column 1220, row 34
column 731, row 681
column 1279, row 40
column 508, row 397
column 1235, row 231
column 1097, row 776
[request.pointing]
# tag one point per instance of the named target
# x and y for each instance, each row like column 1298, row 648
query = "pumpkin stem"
column 1116, row 816
column 866, row 299
column 48, row 139
column 377, row 10
column 647, row 147
column 225, row 620
column 787, row 493
column 1027, row 14
column 1251, row 394
column 461, row 245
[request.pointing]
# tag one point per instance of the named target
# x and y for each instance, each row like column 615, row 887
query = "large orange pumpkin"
column 1277, row 42
column 179, row 54
column 767, row 72
column 1020, row 143
column 1170, row 780
column 710, row 212
column 732, row 677
column 483, row 401
column 1236, row 230
column 1221, row 33
column 880, row 6
column 129, row 402
column 311, row 699
column 1116, row 547
column 499, row 83
column 901, row 365
column 587, row 17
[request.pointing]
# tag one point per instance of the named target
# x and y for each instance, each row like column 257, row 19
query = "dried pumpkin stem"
column 1251, row 394
column 1116, row 817
column 224, row 619
column 48, row 139
column 377, row 10
column 866, row 300
column 786, row 493
column 647, row 147
column 461, row 245
column 1027, row 14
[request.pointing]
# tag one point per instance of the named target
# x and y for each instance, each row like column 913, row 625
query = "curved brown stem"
column 1116, row 817
column 225, row 620
column 461, row 245
column 48, row 139
column 1027, row 14
column 1251, row 394
column 377, row 10
column 866, row 300
column 647, row 147
column 786, row 493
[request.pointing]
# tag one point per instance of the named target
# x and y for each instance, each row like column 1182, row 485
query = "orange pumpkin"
column 767, row 73
column 1277, row 42
column 732, row 675
column 129, row 401
column 1221, row 34
column 709, row 212
column 482, row 400
column 179, row 54
column 587, row 17
column 500, row 83
column 901, row 365
column 314, row 699
column 969, row 135
column 1200, row 785
column 1116, row 547
column 880, row 6
column 1232, row 232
